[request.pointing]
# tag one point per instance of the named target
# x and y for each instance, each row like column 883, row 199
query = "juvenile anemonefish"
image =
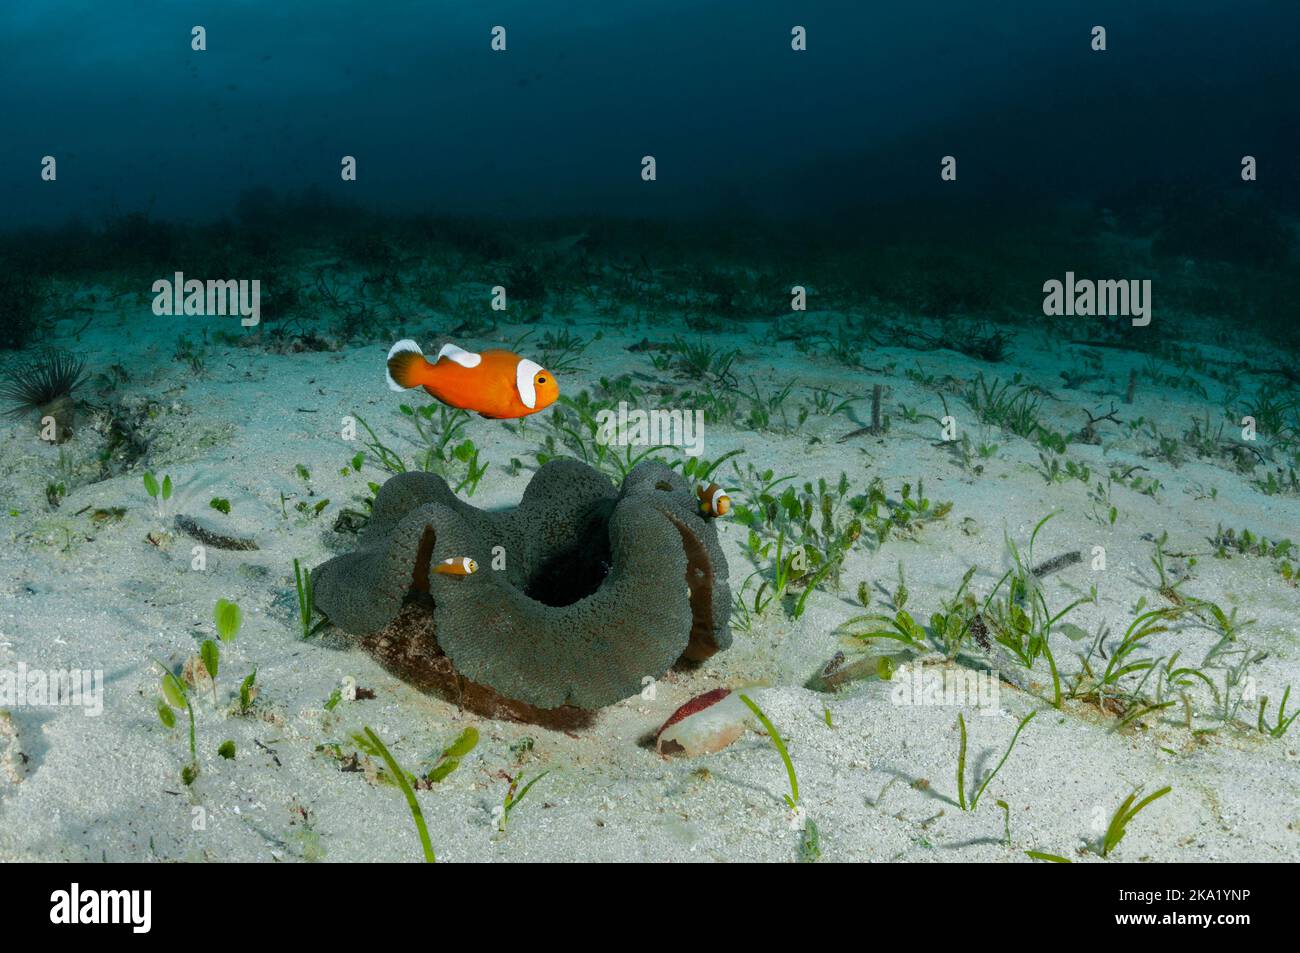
column 495, row 384
column 456, row 566
column 714, row 500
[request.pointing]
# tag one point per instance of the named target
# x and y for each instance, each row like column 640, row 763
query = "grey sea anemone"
column 597, row 590
column 46, row 385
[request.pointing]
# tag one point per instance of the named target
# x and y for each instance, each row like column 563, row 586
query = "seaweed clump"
column 46, row 385
column 526, row 285
column 21, row 297
column 584, row 592
column 1224, row 228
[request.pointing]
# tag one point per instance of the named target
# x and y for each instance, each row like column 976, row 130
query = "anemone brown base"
column 583, row 591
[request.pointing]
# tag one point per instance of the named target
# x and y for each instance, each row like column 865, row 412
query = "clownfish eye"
column 541, row 379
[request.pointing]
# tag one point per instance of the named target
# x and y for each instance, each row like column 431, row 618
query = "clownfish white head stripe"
column 456, row 566
column 524, row 381
column 714, row 500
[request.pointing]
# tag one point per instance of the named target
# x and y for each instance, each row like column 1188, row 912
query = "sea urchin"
column 46, row 385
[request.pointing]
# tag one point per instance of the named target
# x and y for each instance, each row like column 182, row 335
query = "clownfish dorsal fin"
column 524, row 383
column 460, row 356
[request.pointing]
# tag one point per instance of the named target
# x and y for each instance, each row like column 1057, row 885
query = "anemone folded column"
column 583, row 593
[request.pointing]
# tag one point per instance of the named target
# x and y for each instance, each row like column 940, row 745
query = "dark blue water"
column 559, row 122
column 128, row 150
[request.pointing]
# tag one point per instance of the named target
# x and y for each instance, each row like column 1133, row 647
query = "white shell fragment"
column 707, row 723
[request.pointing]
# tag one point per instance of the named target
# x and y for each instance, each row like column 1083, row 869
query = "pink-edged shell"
column 705, row 724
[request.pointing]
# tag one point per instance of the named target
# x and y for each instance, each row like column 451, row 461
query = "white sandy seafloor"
column 880, row 783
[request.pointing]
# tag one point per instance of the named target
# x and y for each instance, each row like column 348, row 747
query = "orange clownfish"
column 496, row 384
column 714, row 500
column 456, row 566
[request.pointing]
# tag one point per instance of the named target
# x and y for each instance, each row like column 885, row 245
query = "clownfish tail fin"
column 405, row 364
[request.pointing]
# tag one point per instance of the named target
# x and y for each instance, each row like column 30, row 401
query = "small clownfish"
column 714, row 500
column 456, row 566
column 494, row 384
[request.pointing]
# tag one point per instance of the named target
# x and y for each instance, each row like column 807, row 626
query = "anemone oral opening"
column 577, row 571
